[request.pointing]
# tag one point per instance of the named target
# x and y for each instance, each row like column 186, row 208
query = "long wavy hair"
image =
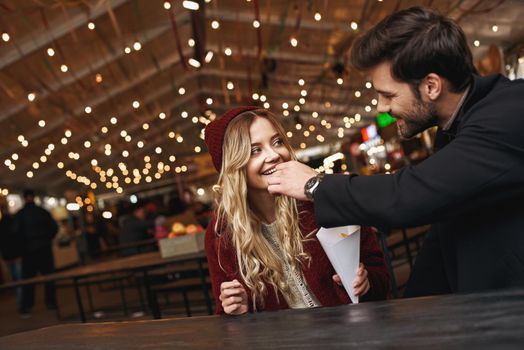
column 258, row 263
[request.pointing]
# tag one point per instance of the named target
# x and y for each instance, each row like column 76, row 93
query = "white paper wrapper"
column 342, row 246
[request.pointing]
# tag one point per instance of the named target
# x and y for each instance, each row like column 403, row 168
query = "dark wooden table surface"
column 474, row 321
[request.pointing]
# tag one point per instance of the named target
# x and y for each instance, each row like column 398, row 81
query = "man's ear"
column 432, row 86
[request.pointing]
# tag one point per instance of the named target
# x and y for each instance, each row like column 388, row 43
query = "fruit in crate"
column 192, row 229
column 178, row 229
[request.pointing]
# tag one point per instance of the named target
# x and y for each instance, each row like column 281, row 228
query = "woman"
column 262, row 251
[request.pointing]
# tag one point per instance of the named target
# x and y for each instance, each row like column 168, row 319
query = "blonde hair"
column 258, row 263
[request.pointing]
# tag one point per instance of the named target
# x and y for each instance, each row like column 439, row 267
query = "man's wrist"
column 312, row 185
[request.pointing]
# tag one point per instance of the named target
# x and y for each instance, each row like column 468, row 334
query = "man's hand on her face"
column 289, row 179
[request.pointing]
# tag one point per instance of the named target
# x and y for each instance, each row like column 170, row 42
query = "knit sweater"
column 223, row 266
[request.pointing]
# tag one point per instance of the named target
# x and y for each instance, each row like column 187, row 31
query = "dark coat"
column 36, row 226
column 223, row 267
column 471, row 190
column 11, row 243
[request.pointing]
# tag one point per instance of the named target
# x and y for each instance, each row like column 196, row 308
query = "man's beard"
column 420, row 117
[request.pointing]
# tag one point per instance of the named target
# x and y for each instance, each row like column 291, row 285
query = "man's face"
column 397, row 98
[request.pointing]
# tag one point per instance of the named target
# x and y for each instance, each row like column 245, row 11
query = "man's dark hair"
column 417, row 41
column 28, row 193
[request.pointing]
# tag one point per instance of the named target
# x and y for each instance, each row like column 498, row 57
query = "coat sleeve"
column 373, row 259
column 481, row 166
column 216, row 273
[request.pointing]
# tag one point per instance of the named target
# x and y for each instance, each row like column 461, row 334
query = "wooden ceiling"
column 121, row 52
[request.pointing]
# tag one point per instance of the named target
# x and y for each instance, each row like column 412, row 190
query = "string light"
column 91, row 25
column 301, row 82
column 87, row 109
column 184, row 114
column 194, row 63
column 197, row 149
column 228, row 51
column 64, row 68
column 191, row 5
column 215, row 25
column 104, row 130
column 357, row 94
column 340, row 81
column 98, row 78
column 181, row 91
column 368, row 85
column 318, row 16
column 113, row 120
column 41, row 123
column 476, row 43
column 87, row 144
column 50, row 52
column 495, row 28
column 127, row 50
column 137, row 46
column 354, row 25
column 191, row 42
column 256, row 24
column 293, row 41
column 136, row 104
column 167, row 5
column 162, row 115
column 145, row 126
column 209, row 101
column 230, row 85
column 5, row 37
column 209, row 56
column 31, row 97
column 14, row 156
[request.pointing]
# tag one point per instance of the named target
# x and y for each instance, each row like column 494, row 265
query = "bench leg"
column 123, row 297
column 186, row 303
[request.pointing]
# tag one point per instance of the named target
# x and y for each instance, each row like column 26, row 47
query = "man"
column 471, row 190
column 37, row 228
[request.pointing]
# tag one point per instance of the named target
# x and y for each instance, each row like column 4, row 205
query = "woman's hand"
column 360, row 283
column 233, row 297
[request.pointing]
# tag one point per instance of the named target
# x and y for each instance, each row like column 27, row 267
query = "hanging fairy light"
column 354, row 25
column 31, row 97
column 215, row 24
column 137, row 46
column 98, row 78
column 256, row 24
column 181, row 91
column 228, row 51
column 317, row 16
column 91, row 25
column 50, row 52
column 64, row 68
column 136, row 104
column 293, row 41
column 41, row 123
column 167, row 5
column 5, row 37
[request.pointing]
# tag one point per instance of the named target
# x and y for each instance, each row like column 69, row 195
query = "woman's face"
column 267, row 150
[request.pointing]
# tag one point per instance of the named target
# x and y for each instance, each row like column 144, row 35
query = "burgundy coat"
column 318, row 275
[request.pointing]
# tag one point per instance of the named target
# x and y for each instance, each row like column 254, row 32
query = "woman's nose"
column 271, row 156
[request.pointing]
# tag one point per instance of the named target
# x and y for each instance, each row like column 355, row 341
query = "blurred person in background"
column 37, row 228
column 135, row 228
column 11, row 246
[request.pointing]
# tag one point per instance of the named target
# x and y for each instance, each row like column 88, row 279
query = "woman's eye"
column 255, row 150
column 278, row 142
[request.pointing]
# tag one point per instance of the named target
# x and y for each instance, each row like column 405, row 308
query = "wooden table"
column 141, row 263
column 474, row 321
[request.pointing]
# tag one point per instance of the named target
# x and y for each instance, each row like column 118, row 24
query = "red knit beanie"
column 214, row 133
